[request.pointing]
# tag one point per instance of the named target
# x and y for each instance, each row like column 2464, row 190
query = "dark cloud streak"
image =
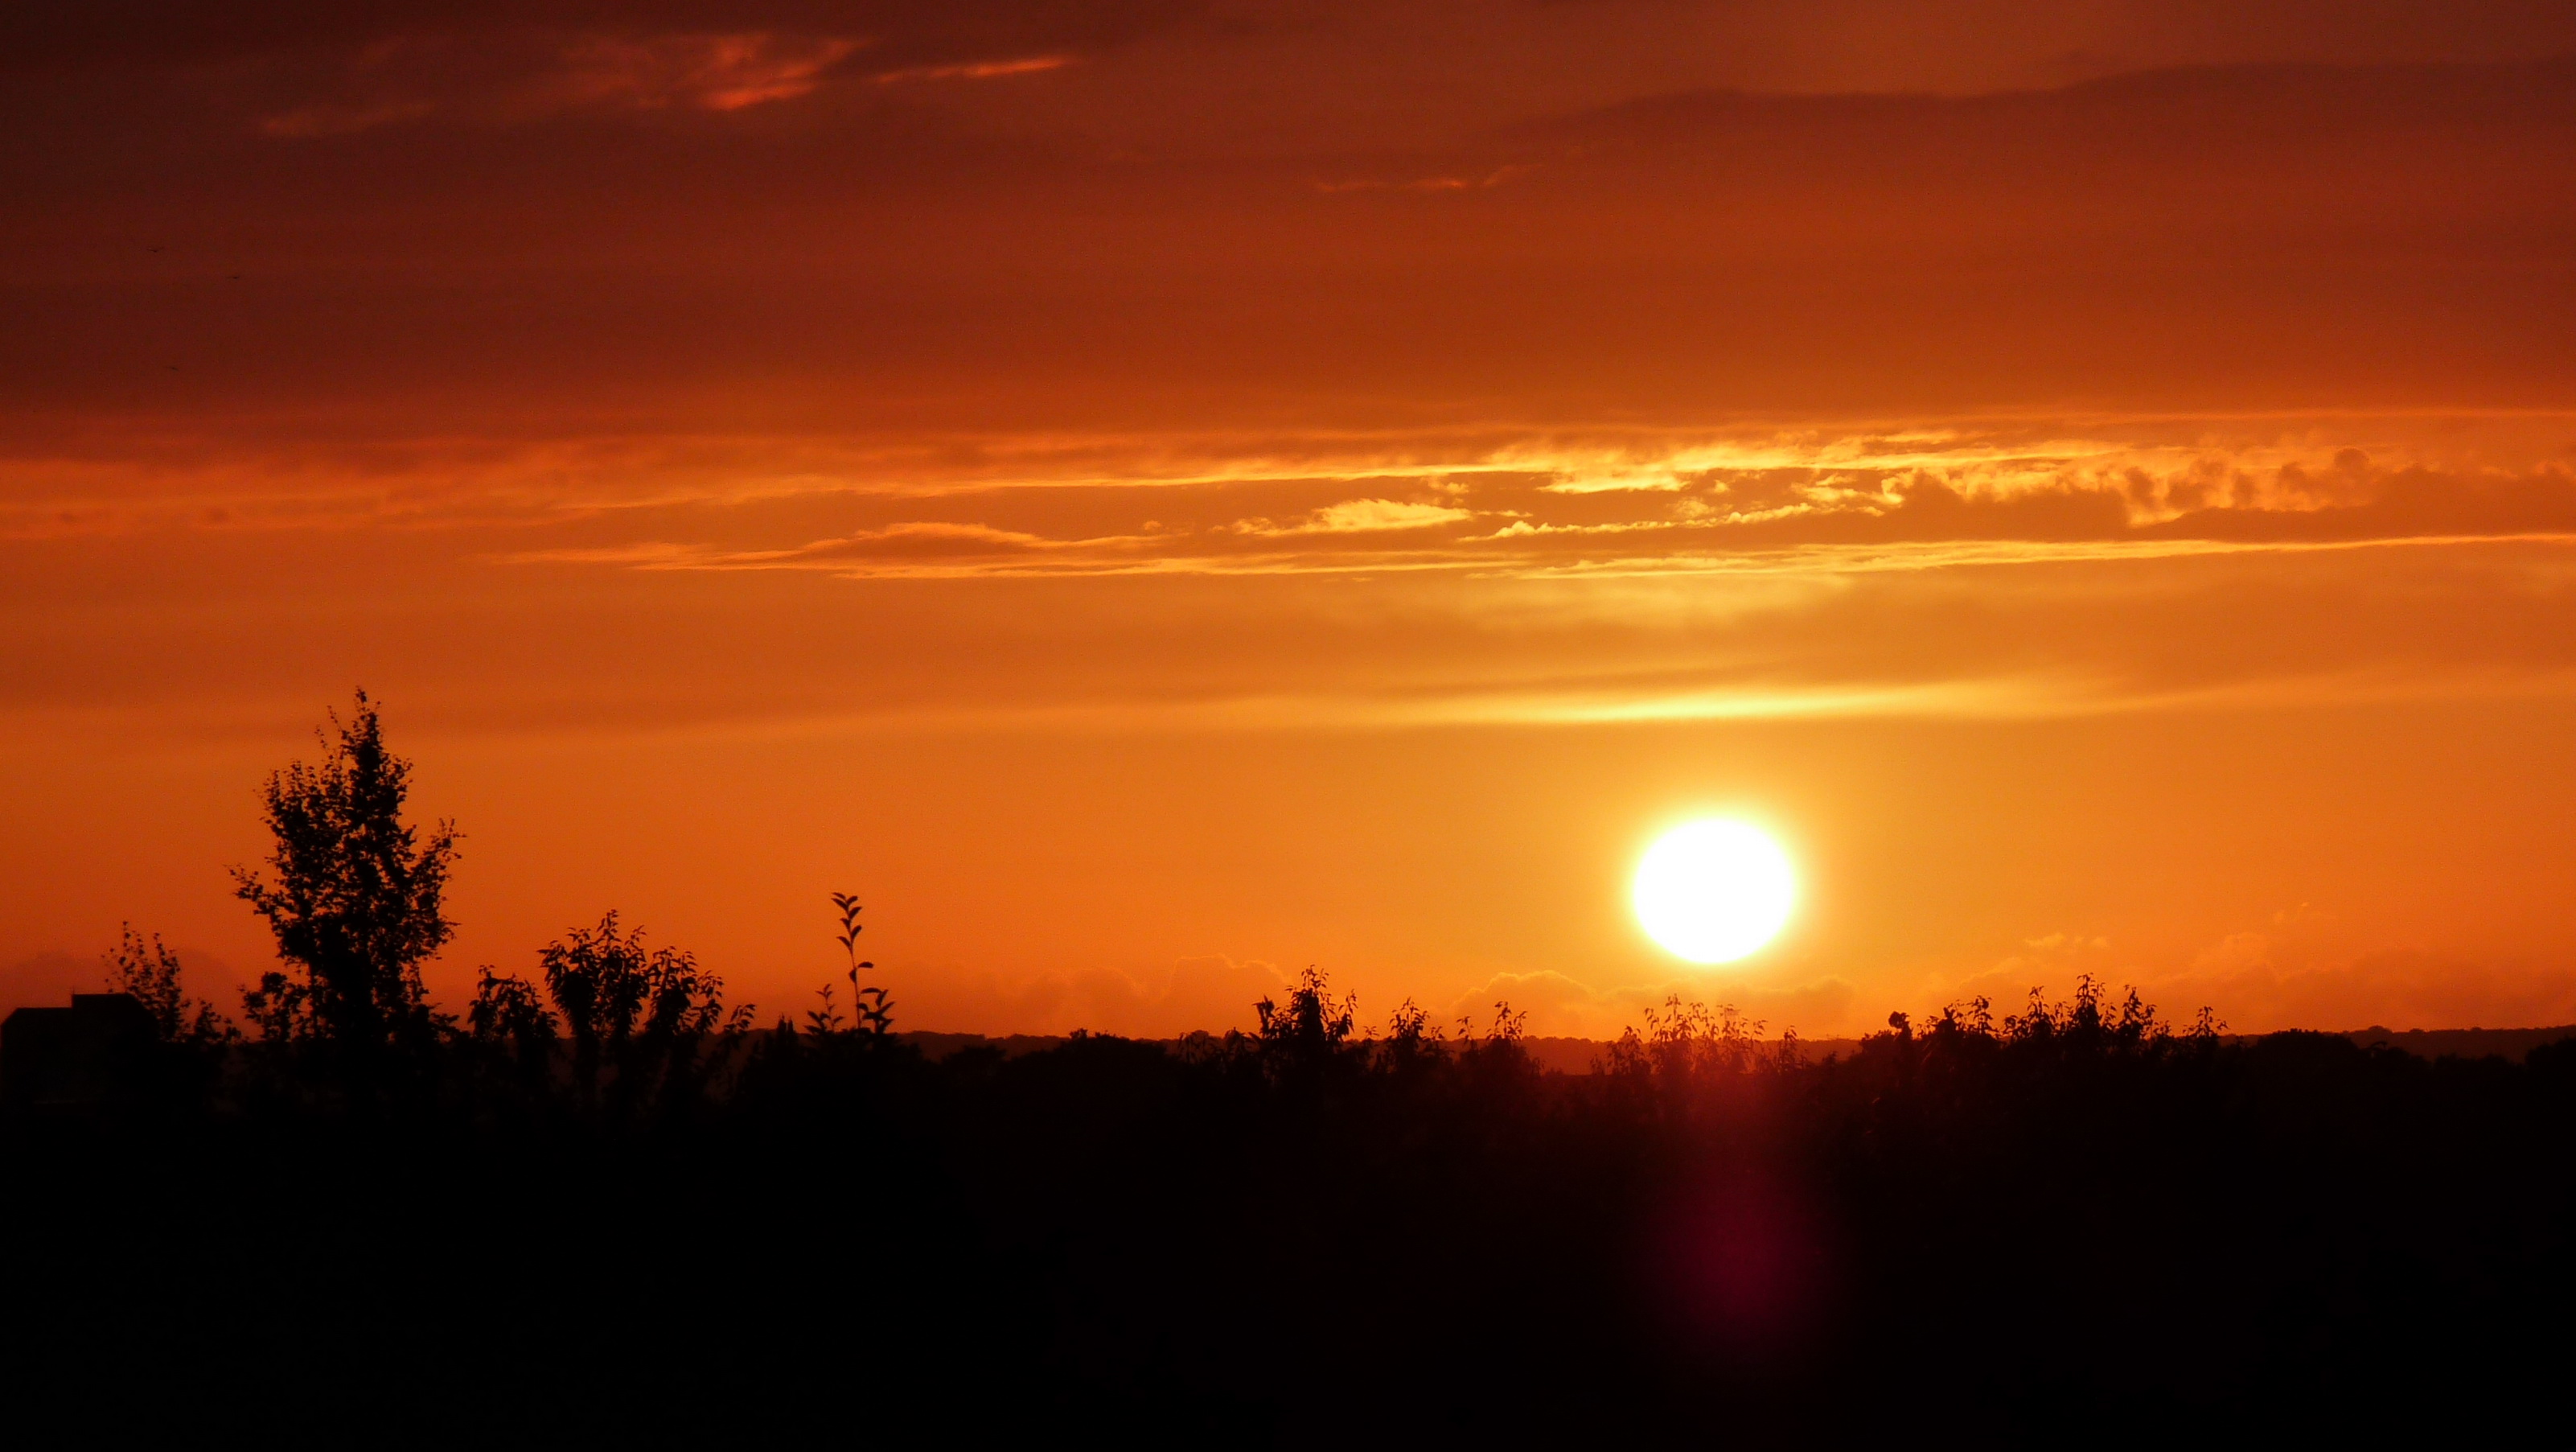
column 152, row 34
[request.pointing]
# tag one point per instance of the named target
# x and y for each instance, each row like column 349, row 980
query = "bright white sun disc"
column 1714, row 891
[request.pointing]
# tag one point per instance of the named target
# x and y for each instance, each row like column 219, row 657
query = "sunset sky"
column 1152, row 496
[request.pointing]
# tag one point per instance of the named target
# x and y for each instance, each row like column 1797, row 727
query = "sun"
column 1713, row 891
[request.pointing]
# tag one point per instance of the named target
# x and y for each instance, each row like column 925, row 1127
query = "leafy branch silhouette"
column 869, row 1001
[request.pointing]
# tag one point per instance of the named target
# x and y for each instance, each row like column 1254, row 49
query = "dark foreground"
column 2072, row 1234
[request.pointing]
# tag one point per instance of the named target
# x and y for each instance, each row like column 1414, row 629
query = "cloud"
column 2363, row 503
column 1822, row 505
column 1522, row 528
column 1362, row 516
column 47, row 980
column 1477, row 183
column 418, row 78
column 975, row 70
column 2283, row 976
column 326, row 119
column 140, row 34
column 928, row 545
column 710, row 72
column 910, row 540
column 2394, row 989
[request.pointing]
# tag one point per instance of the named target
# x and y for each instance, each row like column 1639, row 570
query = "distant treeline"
column 1584, row 1056
column 599, row 1205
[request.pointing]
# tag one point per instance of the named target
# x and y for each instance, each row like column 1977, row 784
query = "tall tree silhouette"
column 353, row 896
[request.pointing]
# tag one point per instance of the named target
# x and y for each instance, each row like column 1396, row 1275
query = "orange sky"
column 1155, row 495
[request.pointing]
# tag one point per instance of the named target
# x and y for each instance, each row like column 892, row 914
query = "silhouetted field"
column 2074, row 1226
column 604, row 1207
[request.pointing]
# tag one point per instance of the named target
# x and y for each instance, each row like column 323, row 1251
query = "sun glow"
column 1714, row 891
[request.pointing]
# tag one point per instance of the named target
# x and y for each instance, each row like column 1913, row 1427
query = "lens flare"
column 1714, row 891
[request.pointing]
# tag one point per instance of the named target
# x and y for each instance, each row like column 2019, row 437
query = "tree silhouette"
column 353, row 897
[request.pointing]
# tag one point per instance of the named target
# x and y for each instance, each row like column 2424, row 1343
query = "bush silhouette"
column 638, row 1018
column 152, row 975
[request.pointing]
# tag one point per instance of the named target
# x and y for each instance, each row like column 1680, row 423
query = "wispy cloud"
column 1361, row 516
column 406, row 79
column 337, row 119
column 1476, row 182
column 907, row 542
column 1538, row 500
column 710, row 72
column 984, row 70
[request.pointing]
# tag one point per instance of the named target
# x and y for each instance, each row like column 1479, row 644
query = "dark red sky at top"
column 1149, row 493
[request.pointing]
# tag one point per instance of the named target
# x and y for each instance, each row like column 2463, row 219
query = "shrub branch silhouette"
column 1308, row 1031
column 507, row 1016
column 827, row 1020
column 1412, row 1042
column 1685, row 1041
column 638, row 1018
column 151, row 973
column 868, row 1000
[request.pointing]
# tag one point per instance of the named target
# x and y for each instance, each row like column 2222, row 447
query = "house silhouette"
column 98, row 1052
